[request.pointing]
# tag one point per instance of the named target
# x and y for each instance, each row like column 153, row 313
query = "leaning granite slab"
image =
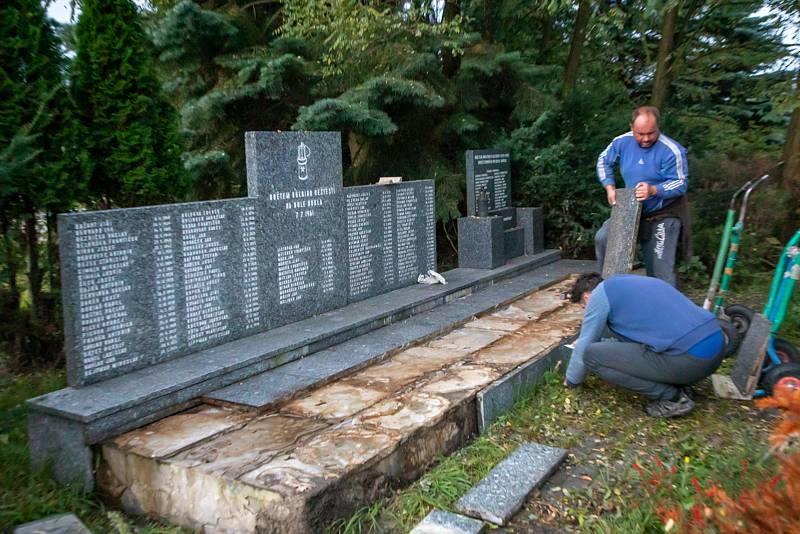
column 57, row 524
column 442, row 522
column 750, row 357
column 622, row 233
column 320, row 456
column 63, row 424
column 501, row 493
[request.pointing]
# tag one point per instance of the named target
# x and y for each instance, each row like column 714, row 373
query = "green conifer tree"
column 131, row 129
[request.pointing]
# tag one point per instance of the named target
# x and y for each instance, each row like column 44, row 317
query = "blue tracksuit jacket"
column 663, row 165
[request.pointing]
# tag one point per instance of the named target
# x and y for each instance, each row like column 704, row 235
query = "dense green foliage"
column 131, row 129
column 411, row 86
column 42, row 167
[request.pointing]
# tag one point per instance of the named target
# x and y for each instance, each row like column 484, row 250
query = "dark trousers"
column 653, row 374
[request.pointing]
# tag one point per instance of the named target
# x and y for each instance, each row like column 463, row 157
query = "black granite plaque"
column 490, row 169
column 142, row 285
column 390, row 235
column 297, row 179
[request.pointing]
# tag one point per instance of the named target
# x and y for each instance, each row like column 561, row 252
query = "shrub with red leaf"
column 771, row 507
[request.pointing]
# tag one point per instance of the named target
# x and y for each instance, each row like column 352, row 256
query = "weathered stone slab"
column 466, row 339
column 406, row 413
column 501, row 493
column 235, row 453
column 57, row 524
column 499, row 397
column 481, row 242
column 459, row 382
column 442, row 522
column 496, row 323
column 174, row 434
column 622, row 233
column 750, row 358
column 335, row 401
column 490, row 169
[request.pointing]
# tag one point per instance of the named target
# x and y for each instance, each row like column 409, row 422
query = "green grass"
column 26, row 495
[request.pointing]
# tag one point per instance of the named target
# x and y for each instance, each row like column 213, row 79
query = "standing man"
column 655, row 166
column 664, row 342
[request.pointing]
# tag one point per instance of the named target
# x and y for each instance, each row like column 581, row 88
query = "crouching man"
column 664, row 342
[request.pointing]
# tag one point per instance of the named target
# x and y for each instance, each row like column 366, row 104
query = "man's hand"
column 645, row 191
column 611, row 193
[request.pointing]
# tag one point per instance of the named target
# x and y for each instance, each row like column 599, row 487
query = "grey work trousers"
column 653, row 374
column 659, row 247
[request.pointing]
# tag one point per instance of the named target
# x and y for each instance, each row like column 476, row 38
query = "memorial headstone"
column 520, row 229
column 490, row 169
column 144, row 285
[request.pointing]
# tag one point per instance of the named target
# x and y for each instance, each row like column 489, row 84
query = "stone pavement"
column 320, row 456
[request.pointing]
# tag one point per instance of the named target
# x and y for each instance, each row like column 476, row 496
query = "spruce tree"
column 131, row 128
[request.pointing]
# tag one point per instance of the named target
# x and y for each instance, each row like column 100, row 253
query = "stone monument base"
column 489, row 242
column 64, row 425
column 317, row 455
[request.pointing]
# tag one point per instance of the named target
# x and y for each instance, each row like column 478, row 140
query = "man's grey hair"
column 647, row 110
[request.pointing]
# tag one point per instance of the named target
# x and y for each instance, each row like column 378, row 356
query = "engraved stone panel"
column 490, row 169
column 297, row 179
column 390, row 234
column 142, row 285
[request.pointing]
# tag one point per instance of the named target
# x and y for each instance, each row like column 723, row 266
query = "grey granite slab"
column 499, row 495
column 490, row 169
column 750, row 357
column 532, row 222
column 481, row 242
column 499, row 397
column 622, row 233
column 60, row 444
column 443, row 522
column 296, row 178
column 513, row 242
column 57, row 524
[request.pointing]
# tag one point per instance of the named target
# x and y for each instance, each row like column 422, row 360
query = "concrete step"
column 321, row 454
column 501, row 493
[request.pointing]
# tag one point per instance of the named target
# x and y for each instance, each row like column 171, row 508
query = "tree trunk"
column 11, row 263
column 359, row 151
column 575, row 48
column 450, row 62
column 546, row 30
column 790, row 178
column 665, row 57
column 52, row 250
column 34, row 270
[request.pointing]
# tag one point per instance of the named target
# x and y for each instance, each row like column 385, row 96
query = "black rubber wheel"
column 732, row 338
column 787, row 374
column 741, row 317
column 786, row 351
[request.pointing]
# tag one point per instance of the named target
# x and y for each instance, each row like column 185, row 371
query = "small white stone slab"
column 441, row 522
column 501, row 493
